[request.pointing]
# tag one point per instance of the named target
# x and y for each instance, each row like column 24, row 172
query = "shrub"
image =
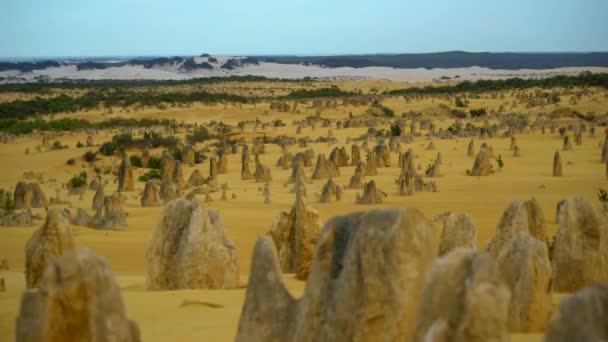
column 602, row 195
column 57, row 146
column 9, row 204
column 71, row 161
column 79, row 144
column 135, row 160
column 200, row 134
column 461, row 114
column 154, row 162
column 478, row 112
column 152, row 174
column 499, row 162
column 177, row 153
column 89, row 156
column 395, row 130
column 458, row 102
column 79, row 180
column 107, row 148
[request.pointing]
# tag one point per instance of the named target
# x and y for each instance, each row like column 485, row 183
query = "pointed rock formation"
column 516, row 151
column 581, row 317
column 371, row 195
column 580, row 247
column 222, row 163
column 169, row 191
column 471, row 148
column 514, row 220
column 536, row 221
column 464, row 299
column 406, row 185
column 513, row 144
column 294, row 235
column 98, row 199
column 167, row 167
column 458, row 232
column 383, row 155
column 196, row 178
column 188, row 155
column 605, row 151
column 357, row 181
column 125, row 176
column 29, row 195
column 339, row 157
column 51, row 240
column 557, row 165
column 113, row 217
column 212, row 170
column 525, row 267
column 567, row 144
column 331, row 192
column 262, row 174
column 355, row 155
column 347, row 279
column 482, row 165
column 145, row 158
column 324, row 168
column 189, row 249
column 245, row 161
column 78, row 300
column 151, row 196
column 371, row 167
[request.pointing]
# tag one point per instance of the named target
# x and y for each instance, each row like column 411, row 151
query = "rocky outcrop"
column 78, row 300
column 347, row 280
column 371, row 166
column 324, row 168
column 339, row 157
column 357, row 181
column 458, row 232
column 16, row 218
column 151, row 196
column 52, row 239
column 579, row 255
column 482, row 165
column 196, row 178
column 125, row 176
column 189, row 249
column 169, row 191
column 355, row 155
column 145, row 158
column 112, row 217
column 371, row 195
column 29, row 195
column 331, row 192
column 262, row 174
column 557, row 165
column 581, row 317
column 167, row 167
column 294, row 234
column 383, row 155
column 514, row 220
column 464, row 299
column 471, row 148
column 188, row 155
column 525, row 267
column 536, row 221
column 222, row 163
column 245, row 161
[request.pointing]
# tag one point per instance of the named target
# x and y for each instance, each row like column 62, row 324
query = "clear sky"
column 188, row 27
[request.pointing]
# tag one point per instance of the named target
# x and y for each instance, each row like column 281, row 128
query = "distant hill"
column 452, row 59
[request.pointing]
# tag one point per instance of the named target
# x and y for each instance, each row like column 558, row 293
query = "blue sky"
column 187, row 27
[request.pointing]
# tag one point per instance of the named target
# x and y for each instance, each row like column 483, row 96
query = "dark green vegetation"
column 78, row 181
column 8, row 203
column 15, row 126
column 28, row 66
column 585, row 79
column 151, row 174
column 452, row 59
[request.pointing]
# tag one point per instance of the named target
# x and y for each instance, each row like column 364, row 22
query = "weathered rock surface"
column 112, row 217
column 189, row 249
column 525, row 267
column 579, row 255
column 458, row 232
column 348, row 280
column 324, row 168
column 52, row 239
column 29, row 195
column 151, row 196
column 464, row 299
column 331, row 192
column 581, row 317
column 125, row 176
column 514, row 220
column 371, row 195
column 78, row 300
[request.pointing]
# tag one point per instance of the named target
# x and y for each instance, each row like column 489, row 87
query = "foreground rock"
column 514, row 220
column 464, row 299
column 189, row 249
column 458, row 232
column 51, row 240
column 525, row 267
column 580, row 247
column 78, row 300
column 294, row 235
column 347, row 281
column 29, row 195
column 581, row 317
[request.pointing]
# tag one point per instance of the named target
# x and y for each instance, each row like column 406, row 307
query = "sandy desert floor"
column 159, row 314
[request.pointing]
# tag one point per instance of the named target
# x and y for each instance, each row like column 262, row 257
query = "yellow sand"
column 159, row 314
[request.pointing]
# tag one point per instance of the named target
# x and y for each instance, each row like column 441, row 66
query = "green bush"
column 200, row 134
column 458, row 102
column 135, row 160
column 177, row 153
column 71, row 161
column 89, row 156
column 395, row 130
column 79, row 180
column 478, row 112
column 154, row 162
column 107, row 148
column 152, row 174
column 9, row 204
